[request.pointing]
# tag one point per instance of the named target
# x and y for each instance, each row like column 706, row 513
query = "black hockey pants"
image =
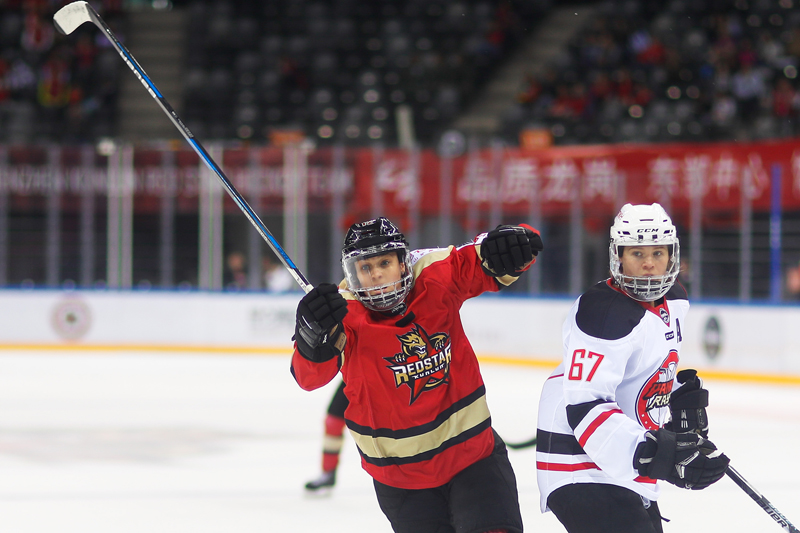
column 598, row 508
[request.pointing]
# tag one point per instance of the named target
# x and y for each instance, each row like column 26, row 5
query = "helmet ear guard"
column 644, row 225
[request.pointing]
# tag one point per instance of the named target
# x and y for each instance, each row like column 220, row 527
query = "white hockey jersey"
column 613, row 384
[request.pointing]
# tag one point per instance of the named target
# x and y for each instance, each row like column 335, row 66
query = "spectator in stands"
column 571, row 102
column 723, row 113
column 785, row 102
column 494, row 40
column 784, row 98
column 651, row 52
column 37, row 35
column 20, row 79
column 5, row 67
column 793, row 44
column 531, row 91
column 724, row 47
column 84, row 53
column 642, row 95
column 562, row 104
column 579, row 101
column 771, row 51
column 611, row 52
column 722, row 76
column 674, row 65
column 793, row 281
column 276, row 277
column 53, row 93
column 236, row 275
column 749, row 88
column 54, row 81
column 601, row 87
column 624, row 85
column 746, row 55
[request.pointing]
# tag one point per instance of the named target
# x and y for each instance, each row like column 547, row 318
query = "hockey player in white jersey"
column 614, row 417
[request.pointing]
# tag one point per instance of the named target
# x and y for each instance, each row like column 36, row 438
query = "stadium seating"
column 672, row 71
column 51, row 89
column 338, row 69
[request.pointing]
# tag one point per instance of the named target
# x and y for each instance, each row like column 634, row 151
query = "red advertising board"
column 603, row 176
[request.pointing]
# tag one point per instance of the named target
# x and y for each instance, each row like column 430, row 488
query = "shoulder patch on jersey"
column 677, row 292
column 429, row 258
column 607, row 314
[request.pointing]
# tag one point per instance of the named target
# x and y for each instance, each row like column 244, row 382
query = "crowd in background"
column 678, row 70
column 51, row 88
column 338, row 69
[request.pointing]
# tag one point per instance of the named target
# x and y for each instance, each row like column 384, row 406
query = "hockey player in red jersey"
column 615, row 416
column 332, row 443
column 418, row 410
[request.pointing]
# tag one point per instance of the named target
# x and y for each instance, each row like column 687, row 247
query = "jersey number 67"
column 576, row 368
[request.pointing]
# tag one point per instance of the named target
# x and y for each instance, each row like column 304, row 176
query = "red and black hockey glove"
column 510, row 250
column 688, row 405
column 686, row 460
column 319, row 323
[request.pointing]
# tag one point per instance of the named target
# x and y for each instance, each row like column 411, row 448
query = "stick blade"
column 68, row 18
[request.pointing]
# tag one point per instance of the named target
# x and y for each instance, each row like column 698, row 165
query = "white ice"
column 115, row 442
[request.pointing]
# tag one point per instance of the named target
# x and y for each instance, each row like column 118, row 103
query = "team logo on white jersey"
column 423, row 362
column 664, row 315
column 652, row 404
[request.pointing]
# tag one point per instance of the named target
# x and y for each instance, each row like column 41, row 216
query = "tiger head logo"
column 423, row 362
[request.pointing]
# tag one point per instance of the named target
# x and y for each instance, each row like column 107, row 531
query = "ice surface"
column 149, row 442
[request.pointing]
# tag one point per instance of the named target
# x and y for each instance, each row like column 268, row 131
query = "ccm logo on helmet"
column 647, row 230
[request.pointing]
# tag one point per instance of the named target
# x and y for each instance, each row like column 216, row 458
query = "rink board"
column 747, row 339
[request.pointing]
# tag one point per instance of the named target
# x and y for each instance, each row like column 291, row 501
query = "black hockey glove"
column 686, row 460
column 318, row 331
column 510, row 250
column 688, row 405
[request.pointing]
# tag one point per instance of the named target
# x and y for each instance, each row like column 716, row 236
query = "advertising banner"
column 602, row 176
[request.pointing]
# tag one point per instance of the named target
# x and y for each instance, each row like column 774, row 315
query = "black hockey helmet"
column 372, row 233
column 370, row 238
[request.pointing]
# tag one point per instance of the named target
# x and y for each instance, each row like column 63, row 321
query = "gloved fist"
column 510, row 250
column 319, row 323
column 688, row 405
column 686, row 460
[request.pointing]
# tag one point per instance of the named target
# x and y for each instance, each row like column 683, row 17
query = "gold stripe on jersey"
column 331, row 444
column 507, row 279
column 458, row 423
column 430, row 258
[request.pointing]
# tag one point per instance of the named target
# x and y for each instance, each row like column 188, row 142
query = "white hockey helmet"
column 371, row 238
column 644, row 225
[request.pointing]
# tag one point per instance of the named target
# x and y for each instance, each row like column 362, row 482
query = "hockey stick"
column 521, row 445
column 68, row 18
column 761, row 500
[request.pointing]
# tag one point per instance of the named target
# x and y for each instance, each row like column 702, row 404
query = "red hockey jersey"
column 418, row 410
